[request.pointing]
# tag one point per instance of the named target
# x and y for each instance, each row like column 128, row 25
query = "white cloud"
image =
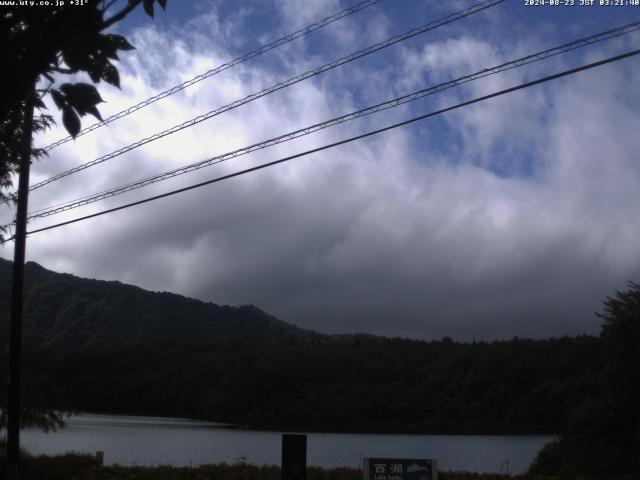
column 379, row 236
column 299, row 14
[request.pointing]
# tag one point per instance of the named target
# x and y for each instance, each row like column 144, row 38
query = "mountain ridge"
column 64, row 311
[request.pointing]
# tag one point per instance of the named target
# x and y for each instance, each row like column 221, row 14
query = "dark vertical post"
column 15, row 329
column 294, row 457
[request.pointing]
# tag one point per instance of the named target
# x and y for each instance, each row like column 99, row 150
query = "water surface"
column 129, row 440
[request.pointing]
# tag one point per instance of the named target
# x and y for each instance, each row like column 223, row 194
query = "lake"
column 130, row 440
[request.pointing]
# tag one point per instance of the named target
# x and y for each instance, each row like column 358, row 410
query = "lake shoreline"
column 136, row 440
column 378, row 429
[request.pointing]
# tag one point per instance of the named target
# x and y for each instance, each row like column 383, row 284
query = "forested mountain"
column 523, row 386
column 106, row 346
column 63, row 311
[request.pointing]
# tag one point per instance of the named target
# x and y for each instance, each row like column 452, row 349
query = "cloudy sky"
column 516, row 216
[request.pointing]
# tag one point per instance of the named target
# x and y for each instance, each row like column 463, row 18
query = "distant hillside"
column 63, row 311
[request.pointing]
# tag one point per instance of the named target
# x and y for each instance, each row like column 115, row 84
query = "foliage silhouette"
column 602, row 435
column 40, row 44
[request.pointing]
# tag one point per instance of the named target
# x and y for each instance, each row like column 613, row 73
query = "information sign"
column 400, row 469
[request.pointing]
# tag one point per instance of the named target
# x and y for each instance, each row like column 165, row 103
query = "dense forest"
column 364, row 385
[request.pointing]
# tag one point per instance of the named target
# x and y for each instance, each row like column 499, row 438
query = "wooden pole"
column 15, row 328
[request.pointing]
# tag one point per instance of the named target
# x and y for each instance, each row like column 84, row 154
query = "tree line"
column 392, row 385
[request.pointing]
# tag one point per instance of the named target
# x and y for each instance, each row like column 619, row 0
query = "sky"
column 516, row 216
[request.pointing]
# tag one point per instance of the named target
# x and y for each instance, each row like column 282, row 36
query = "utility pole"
column 15, row 329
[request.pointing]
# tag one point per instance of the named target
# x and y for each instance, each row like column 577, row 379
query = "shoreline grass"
column 84, row 466
column 74, row 466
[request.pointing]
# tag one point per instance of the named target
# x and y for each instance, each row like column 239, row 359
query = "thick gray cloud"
column 387, row 236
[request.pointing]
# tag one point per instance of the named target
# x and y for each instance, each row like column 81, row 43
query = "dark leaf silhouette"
column 58, row 98
column 110, row 75
column 74, row 58
column 83, row 97
column 148, row 7
column 71, row 121
column 38, row 103
column 119, row 42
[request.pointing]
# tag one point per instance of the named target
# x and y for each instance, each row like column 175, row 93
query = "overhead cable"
column 343, row 142
column 225, row 66
column 534, row 57
column 279, row 86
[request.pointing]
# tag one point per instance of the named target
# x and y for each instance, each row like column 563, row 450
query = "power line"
column 247, row 56
column 287, row 83
column 538, row 56
column 348, row 140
